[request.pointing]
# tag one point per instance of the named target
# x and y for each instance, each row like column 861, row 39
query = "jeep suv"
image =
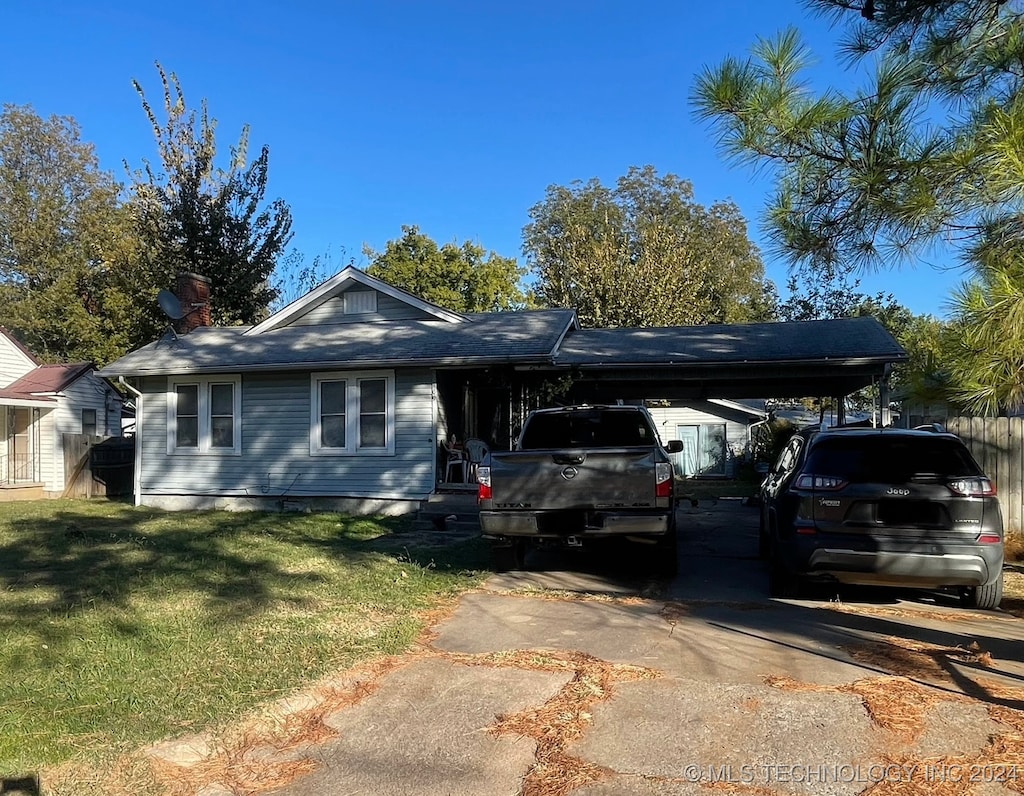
column 882, row 507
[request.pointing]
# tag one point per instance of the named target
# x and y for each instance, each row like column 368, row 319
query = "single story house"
column 38, row 405
column 343, row 398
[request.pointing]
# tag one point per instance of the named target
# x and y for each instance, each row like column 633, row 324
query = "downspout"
column 137, row 476
column 750, row 436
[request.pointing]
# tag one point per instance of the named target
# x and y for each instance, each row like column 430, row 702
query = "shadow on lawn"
column 59, row 563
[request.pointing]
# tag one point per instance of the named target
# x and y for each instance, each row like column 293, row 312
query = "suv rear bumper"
column 943, row 565
column 573, row 523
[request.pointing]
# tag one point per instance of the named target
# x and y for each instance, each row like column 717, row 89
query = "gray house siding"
column 275, row 463
column 388, row 309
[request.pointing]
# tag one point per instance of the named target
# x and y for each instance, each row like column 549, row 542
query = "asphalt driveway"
column 577, row 677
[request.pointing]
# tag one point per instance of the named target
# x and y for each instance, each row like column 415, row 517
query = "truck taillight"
column 483, row 477
column 663, row 480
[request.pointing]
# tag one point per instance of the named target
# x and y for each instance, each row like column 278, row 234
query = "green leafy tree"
column 464, row 278
column 928, row 152
column 644, row 253
column 295, row 276
column 212, row 219
column 65, row 241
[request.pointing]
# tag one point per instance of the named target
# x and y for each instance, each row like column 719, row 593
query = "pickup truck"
column 578, row 475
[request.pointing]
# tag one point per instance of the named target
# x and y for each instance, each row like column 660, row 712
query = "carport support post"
column 884, row 413
column 840, row 410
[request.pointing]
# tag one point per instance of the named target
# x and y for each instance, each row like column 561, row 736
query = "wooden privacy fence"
column 998, row 445
column 98, row 466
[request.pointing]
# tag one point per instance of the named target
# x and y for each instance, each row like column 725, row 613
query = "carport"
column 827, row 358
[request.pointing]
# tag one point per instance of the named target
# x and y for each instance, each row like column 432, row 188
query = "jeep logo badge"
column 569, row 473
column 899, row 492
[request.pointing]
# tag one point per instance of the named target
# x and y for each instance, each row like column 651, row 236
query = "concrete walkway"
column 561, row 679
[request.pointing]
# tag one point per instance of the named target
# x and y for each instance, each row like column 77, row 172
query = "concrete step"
column 455, row 501
column 438, row 509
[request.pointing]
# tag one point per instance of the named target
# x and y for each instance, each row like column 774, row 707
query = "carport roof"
column 844, row 340
column 827, row 357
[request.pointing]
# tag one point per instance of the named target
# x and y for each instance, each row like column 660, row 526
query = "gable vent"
column 360, row 301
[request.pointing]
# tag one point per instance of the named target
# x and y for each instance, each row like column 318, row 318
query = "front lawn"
column 120, row 626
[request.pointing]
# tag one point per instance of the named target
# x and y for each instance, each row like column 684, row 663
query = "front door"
column 22, row 452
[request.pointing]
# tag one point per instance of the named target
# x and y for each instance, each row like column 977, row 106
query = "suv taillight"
column 663, row 480
column 972, row 487
column 824, row 482
column 483, row 477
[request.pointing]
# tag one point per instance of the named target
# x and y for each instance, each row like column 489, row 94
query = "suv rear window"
column 591, row 428
column 890, row 459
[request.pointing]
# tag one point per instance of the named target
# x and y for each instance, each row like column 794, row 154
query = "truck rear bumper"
column 571, row 523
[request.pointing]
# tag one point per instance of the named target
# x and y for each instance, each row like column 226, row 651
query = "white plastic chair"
column 475, row 449
column 456, row 459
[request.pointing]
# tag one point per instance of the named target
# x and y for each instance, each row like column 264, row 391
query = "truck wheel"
column 665, row 554
column 509, row 557
column 985, row 597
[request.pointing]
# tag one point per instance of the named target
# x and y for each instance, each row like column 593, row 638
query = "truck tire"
column 509, row 557
column 986, row 598
column 665, row 555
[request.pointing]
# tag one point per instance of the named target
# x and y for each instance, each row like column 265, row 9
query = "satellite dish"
column 170, row 305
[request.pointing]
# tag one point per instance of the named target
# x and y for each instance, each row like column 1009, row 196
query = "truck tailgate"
column 609, row 478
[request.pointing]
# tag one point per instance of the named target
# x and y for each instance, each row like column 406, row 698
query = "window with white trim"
column 352, row 413
column 204, row 415
column 89, row 422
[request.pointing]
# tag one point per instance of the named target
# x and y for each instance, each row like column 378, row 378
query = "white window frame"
column 204, row 383
column 352, row 395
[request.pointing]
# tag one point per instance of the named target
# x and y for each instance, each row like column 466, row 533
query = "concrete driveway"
column 564, row 679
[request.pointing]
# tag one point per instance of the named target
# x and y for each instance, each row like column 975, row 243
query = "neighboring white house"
column 715, row 434
column 38, row 405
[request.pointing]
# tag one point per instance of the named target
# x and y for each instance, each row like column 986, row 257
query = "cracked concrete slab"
column 424, row 731
column 694, row 729
column 735, row 644
column 709, row 721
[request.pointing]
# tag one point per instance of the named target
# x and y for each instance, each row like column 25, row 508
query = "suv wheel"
column 782, row 583
column 763, row 542
column 985, row 597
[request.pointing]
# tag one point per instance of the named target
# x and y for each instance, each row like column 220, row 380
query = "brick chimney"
column 193, row 292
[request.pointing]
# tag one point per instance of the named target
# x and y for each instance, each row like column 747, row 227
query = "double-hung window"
column 352, row 413
column 204, row 415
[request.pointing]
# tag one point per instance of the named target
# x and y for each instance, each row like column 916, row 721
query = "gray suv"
column 882, row 507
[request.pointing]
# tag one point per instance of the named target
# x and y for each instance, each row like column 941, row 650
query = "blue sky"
column 451, row 116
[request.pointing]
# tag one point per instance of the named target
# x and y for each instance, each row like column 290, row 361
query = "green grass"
column 120, row 626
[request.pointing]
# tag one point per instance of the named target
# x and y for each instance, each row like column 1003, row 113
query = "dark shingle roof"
column 528, row 336
column 856, row 339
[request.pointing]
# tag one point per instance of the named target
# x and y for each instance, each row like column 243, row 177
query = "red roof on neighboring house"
column 45, row 379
